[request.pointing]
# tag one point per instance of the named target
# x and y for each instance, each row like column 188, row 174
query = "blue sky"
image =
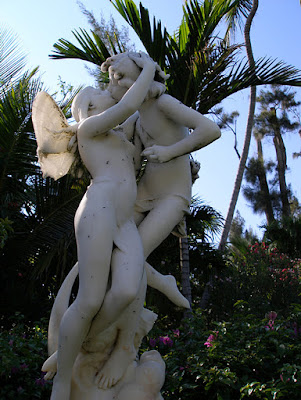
column 276, row 32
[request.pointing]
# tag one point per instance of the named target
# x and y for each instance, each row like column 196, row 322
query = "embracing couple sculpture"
column 117, row 224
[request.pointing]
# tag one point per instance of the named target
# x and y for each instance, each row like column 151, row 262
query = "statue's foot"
column 115, row 367
column 170, row 289
column 50, row 366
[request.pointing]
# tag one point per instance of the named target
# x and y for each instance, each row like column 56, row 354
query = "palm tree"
column 17, row 144
column 204, row 69
column 273, row 120
column 31, row 207
column 248, row 134
column 17, row 154
column 268, row 208
column 12, row 60
column 257, row 192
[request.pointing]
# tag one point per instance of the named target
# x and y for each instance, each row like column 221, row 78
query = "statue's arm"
column 128, row 105
column 204, row 131
column 128, row 126
column 137, row 153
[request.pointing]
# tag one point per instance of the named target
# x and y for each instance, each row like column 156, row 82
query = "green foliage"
column 267, row 190
column 263, row 276
column 37, row 254
column 23, row 351
column 204, row 69
column 5, row 229
column 12, row 59
column 247, row 357
column 286, row 235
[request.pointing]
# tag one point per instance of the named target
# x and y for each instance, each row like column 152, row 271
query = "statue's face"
column 123, row 72
column 122, row 66
column 100, row 102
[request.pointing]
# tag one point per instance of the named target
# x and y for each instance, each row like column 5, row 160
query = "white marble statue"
column 107, row 238
column 100, row 333
column 161, row 132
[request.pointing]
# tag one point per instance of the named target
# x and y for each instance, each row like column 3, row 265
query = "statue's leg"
column 167, row 285
column 154, row 228
column 124, row 351
column 160, row 222
column 94, row 236
column 127, row 271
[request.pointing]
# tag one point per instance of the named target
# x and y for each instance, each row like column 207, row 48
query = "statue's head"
column 121, row 66
column 90, row 101
column 123, row 72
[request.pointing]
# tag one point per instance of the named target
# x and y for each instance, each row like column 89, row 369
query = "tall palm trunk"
column 245, row 152
column 281, row 165
column 185, row 271
column 268, row 208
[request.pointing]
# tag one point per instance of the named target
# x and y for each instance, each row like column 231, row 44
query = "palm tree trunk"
column 245, row 152
column 185, row 271
column 268, row 208
column 281, row 165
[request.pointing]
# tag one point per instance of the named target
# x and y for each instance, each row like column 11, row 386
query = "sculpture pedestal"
column 142, row 380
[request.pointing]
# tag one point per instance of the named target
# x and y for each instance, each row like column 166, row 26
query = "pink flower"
column 211, row 338
column 11, row 342
column 270, row 326
column 176, row 333
column 152, row 342
column 167, row 341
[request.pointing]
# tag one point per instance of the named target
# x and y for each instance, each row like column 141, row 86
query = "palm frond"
column 234, row 17
column 12, row 59
column 267, row 71
column 153, row 37
column 204, row 222
column 92, row 48
column 66, row 102
column 16, row 138
column 52, row 225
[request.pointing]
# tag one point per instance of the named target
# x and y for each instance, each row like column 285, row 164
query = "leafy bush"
column 264, row 277
column 5, row 230
column 247, row 358
column 23, row 350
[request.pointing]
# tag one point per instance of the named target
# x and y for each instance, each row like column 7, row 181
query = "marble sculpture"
column 94, row 342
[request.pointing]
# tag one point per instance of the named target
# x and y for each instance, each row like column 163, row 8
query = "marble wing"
column 54, row 158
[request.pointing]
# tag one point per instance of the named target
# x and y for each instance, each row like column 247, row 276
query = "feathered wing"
column 54, row 158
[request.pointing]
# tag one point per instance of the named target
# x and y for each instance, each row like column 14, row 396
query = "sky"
column 276, row 32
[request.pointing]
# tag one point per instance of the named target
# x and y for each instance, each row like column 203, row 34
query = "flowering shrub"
column 237, row 360
column 264, row 277
column 211, row 339
column 23, row 350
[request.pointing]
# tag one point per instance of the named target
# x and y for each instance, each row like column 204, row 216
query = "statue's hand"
column 143, row 60
column 159, row 154
column 72, row 145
